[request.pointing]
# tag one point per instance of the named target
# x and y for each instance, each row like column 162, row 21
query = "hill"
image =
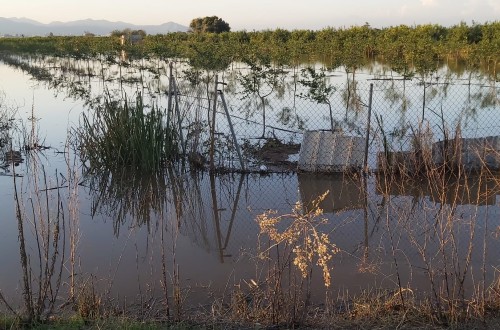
column 28, row 27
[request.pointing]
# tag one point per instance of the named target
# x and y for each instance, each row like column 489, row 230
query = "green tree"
column 128, row 32
column 457, row 40
column 318, row 89
column 328, row 46
column 394, row 47
column 489, row 46
column 211, row 24
column 259, row 81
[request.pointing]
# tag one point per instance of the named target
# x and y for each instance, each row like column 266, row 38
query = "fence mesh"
column 374, row 220
column 396, row 116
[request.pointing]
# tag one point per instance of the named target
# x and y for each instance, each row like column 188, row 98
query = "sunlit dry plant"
column 300, row 229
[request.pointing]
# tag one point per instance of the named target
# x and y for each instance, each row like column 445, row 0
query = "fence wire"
column 401, row 112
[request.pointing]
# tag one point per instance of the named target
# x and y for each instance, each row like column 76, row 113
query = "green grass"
column 127, row 135
column 76, row 322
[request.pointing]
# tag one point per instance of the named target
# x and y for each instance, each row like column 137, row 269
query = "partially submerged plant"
column 262, row 79
column 125, row 134
column 88, row 302
column 42, row 263
column 415, row 155
column 6, row 124
column 319, row 90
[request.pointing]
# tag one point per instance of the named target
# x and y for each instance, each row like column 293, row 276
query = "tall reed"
column 124, row 134
column 447, row 238
column 42, row 271
column 6, row 123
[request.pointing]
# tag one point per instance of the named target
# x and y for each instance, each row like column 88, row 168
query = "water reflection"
column 86, row 79
column 223, row 239
column 200, row 221
column 123, row 195
column 345, row 191
column 454, row 189
column 219, row 212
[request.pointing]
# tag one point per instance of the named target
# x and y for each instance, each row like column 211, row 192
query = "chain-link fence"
column 262, row 118
column 428, row 227
column 351, row 127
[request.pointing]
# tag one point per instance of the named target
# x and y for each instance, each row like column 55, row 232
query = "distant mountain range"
column 28, row 27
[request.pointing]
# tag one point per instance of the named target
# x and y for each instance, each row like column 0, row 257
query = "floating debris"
column 36, row 147
column 14, row 157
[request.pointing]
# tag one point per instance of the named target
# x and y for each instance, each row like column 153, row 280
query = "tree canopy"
column 128, row 32
column 211, row 24
column 407, row 50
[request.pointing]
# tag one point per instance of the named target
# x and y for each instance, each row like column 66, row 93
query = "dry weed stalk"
column 280, row 293
column 42, row 273
column 73, row 181
column 302, row 232
column 443, row 235
column 88, row 302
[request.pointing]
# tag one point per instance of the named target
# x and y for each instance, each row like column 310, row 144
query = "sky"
column 261, row 14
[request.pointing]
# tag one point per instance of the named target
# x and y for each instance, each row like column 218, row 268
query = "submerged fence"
column 350, row 128
column 248, row 119
column 359, row 122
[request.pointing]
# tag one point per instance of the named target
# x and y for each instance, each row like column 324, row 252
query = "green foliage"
column 261, row 80
column 121, row 134
column 116, row 322
column 128, row 32
column 356, row 44
column 396, row 50
column 406, row 49
column 211, row 24
column 423, row 50
column 318, row 89
column 209, row 52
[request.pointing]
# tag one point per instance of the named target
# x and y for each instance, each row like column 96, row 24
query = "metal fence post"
column 423, row 103
column 232, row 131
column 179, row 121
column 170, row 92
column 368, row 124
column 212, row 129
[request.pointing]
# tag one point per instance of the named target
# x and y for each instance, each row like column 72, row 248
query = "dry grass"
column 444, row 237
column 294, row 251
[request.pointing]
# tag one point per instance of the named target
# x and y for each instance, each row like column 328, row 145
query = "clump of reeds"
column 126, row 134
column 6, row 124
column 88, row 302
column 127, row 148
column 415, row 161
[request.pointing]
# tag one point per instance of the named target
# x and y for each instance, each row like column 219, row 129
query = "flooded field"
column 187, row 240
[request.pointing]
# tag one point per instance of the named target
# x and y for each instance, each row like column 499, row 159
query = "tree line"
column 406, row 49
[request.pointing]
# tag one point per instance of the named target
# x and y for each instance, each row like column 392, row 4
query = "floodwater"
column 199, row 230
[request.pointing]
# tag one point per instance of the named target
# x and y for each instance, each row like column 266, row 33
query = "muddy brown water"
column 204, row 228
